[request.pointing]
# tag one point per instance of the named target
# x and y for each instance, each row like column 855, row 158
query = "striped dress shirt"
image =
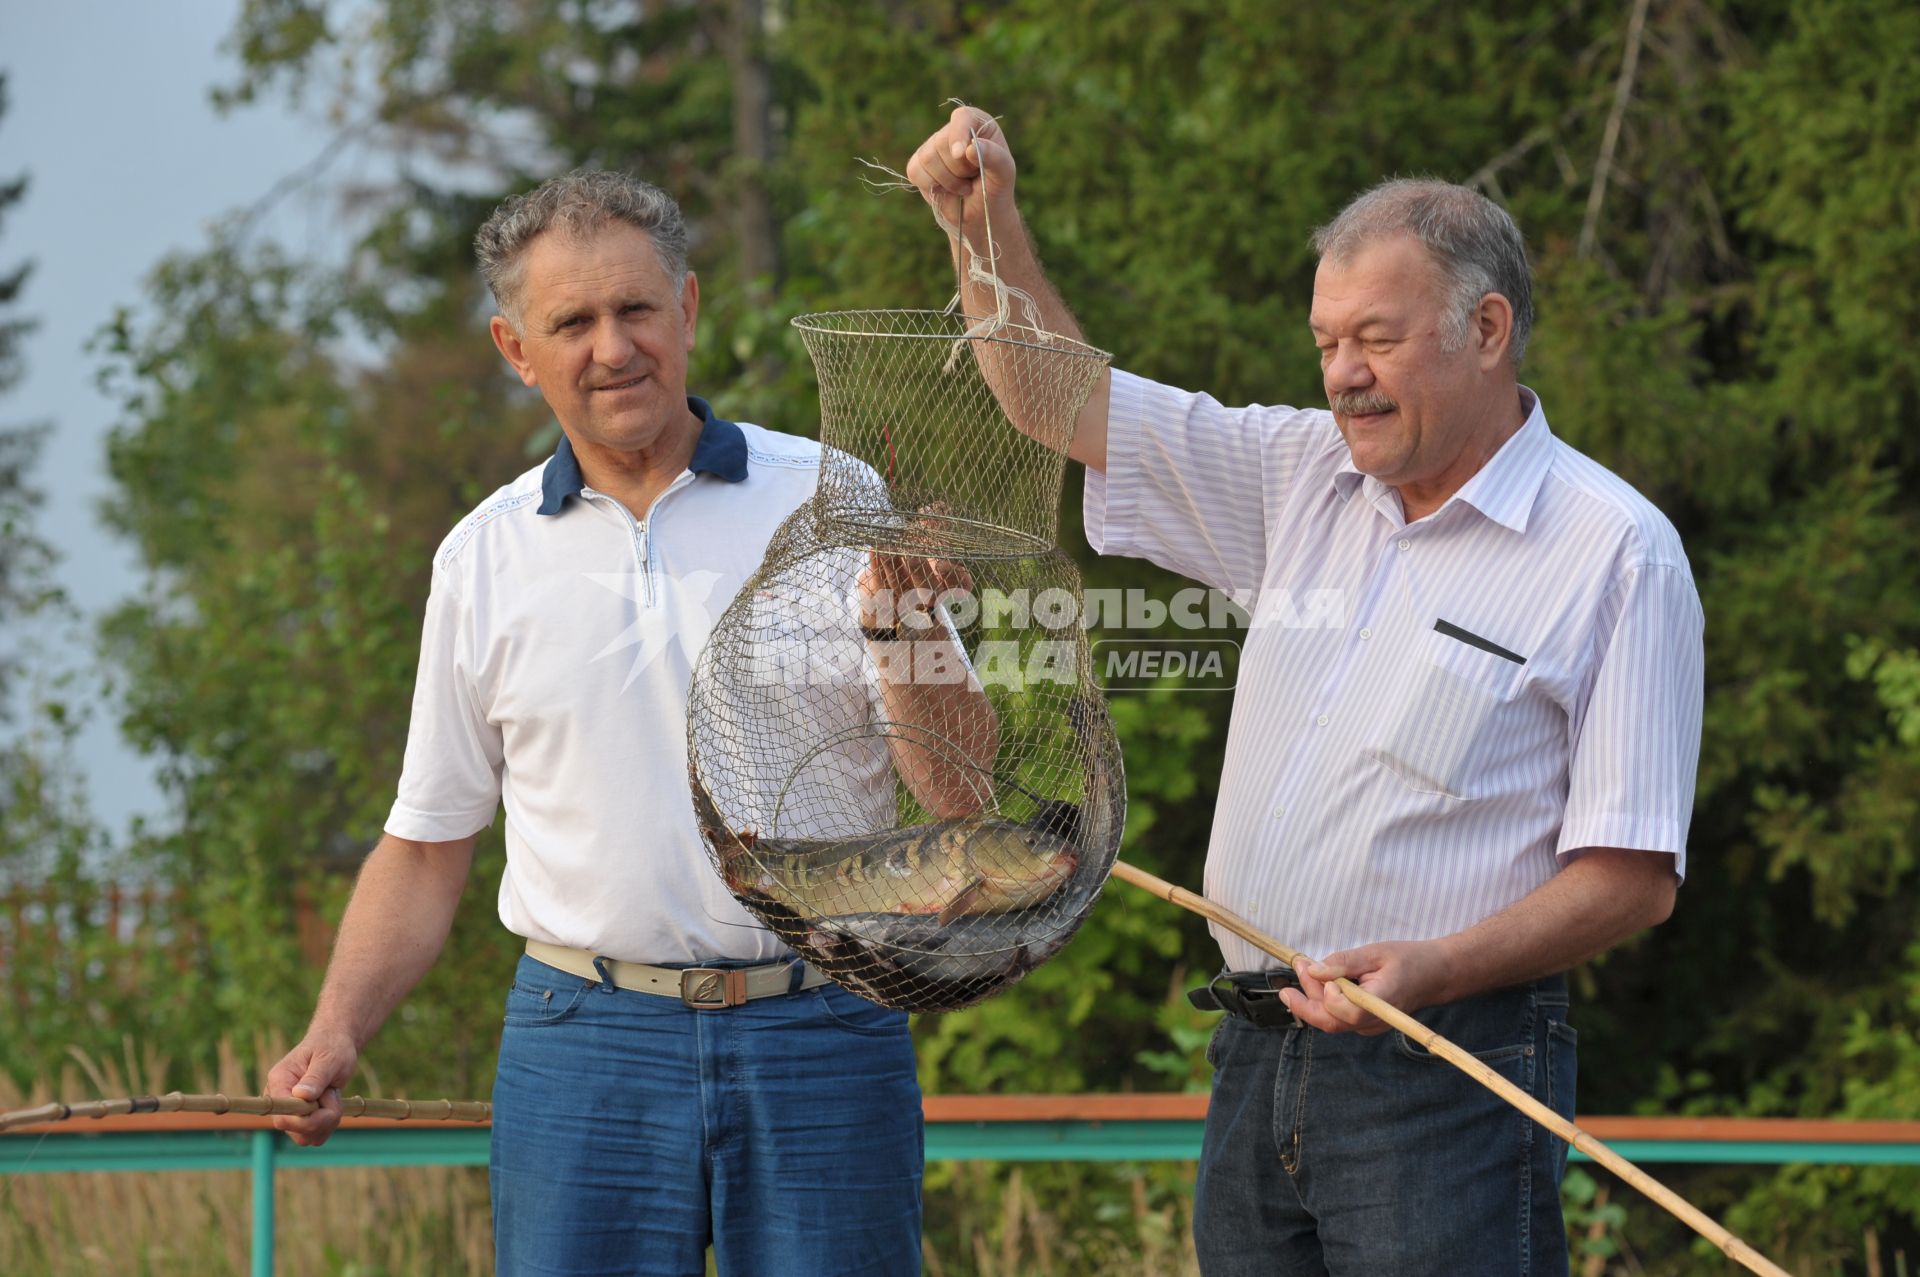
column 1431, row 717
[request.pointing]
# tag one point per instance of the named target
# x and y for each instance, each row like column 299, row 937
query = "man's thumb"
column 317, row 1078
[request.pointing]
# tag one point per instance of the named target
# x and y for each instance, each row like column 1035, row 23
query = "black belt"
column 1253, row 996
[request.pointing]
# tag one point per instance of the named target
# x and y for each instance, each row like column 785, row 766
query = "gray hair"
column 1473, row 241
column 579, row 205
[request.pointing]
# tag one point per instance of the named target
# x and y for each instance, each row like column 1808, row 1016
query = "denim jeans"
column 1370, row 1157
column 631, row 1132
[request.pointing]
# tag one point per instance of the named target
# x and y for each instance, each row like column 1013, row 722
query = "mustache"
column 1359, row 403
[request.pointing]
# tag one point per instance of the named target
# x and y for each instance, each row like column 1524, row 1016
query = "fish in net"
column 925, row 847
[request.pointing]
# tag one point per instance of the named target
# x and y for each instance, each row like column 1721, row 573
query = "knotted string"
column 976, row 267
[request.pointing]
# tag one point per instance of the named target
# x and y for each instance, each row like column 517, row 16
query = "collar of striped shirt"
column 1503, row 489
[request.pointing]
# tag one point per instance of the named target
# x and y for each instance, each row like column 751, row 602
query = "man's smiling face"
column 605, row 337
column 1404, row 402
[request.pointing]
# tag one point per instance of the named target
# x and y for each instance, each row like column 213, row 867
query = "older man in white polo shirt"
column 646, row 1105
column 1479, row 775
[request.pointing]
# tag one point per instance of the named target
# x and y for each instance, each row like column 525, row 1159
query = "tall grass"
column 1058, row 1219
column 334, row 1222
column 983, row 1219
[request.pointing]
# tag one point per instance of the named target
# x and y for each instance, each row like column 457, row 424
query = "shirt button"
column 1405, row 544
column 1322, row 720
column 1278, row 812
column 1366, row 634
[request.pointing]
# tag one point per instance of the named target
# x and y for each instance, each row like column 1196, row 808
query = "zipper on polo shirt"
column 637, row 535
column 640, row 532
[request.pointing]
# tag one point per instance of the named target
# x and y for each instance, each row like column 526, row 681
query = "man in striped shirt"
column 1474, row 773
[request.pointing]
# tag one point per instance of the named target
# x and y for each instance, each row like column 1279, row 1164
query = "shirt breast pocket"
column 1451, row 705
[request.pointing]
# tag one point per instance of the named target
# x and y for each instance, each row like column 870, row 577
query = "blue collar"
column 721, row 451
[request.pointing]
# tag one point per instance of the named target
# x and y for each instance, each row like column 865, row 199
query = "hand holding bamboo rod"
column 255, row 1105
column 1479, row 1071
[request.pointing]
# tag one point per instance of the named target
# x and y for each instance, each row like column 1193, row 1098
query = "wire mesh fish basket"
column 903, row 400
column 883, row 846
column 922, row 796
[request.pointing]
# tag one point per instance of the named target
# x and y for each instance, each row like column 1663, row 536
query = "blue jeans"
column 1369, row 1156
column 630, row 1132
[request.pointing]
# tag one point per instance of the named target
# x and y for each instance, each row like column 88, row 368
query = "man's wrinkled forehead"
column 620, row 239
column 1381, row 282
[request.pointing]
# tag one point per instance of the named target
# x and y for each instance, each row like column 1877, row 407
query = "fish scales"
column 949, row 868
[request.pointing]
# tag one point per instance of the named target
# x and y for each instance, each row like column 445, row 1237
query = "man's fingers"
column 318, row 1077
column 1349, row 1013
column 994, row 165
column 971, row 119
column 902, row 587
column 948, row 575
column 314, row 1128
column 944, row 166
column 967, row 154
column 913, row 573
column 967, row 126
column 1336, row 1005
column 1309, row 1011
column 882, row 586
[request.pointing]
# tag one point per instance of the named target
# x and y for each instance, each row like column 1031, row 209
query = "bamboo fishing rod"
column 254, row 1105
column 1478, row 1070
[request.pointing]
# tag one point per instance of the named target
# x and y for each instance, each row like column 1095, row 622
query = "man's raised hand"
column 965, row 162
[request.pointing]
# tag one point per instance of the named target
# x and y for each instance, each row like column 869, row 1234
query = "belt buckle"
column 713, row 988
column 1228, row 995
column 1255, row 996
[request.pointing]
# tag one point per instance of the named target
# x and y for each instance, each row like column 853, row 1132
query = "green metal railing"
column 987, row 1128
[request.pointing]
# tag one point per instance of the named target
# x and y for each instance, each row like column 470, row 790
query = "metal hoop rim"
column 1055, row 343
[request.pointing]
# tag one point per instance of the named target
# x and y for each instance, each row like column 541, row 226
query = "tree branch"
column 1610, row 139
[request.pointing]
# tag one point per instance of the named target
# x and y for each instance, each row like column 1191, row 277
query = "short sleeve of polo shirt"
column 1636, row 749
column 1194, row 485
column 450, row 781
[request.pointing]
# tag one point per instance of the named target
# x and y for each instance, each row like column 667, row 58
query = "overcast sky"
column 108, row 114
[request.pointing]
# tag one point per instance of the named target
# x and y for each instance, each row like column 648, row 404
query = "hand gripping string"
column 975, row 267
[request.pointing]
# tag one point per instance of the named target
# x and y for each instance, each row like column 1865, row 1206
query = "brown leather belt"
column 703, row 988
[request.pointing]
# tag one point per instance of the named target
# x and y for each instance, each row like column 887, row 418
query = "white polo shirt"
column 1432, row 716
column 560, row 641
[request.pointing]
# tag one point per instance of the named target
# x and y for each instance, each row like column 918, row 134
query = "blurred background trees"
column 1721, row 201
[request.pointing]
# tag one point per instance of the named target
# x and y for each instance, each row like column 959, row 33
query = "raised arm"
column 966, row 172
column 925, row 683
column 394, row 928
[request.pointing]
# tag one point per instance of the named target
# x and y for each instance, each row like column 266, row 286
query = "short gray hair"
column 578, row 204
column 1473, row 241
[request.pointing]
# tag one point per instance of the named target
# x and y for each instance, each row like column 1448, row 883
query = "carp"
column 946, row 869
column 978, row 951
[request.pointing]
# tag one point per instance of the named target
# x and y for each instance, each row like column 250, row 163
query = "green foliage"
column 290, row 526
column 1727, row 320
column 1105, row 986
column 1591, row 1217
column 24, row 558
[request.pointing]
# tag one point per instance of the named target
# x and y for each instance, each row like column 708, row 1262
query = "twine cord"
column 975, row 267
